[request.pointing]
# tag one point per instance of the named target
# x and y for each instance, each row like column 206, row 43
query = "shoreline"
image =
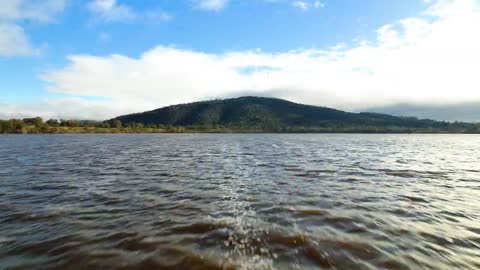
column 246, row 132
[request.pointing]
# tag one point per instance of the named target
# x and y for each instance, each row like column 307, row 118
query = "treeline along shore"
column 53, row 126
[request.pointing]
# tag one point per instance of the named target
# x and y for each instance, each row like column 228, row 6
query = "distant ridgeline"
column 245, row 114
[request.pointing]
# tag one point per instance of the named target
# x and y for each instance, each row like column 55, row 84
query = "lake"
column 231, row 201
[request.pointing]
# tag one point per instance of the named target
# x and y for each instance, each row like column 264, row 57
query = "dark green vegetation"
column 53, row 126
column 246, row 114
column 256, row 114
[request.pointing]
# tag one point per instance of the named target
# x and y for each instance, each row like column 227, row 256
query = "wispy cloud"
column 13, row 39
column 306, row 5
column 301, row 5
column 319, row 4
column 104, row 37
column 218, row 5
column 211, row 5
column 35, row 10
column 112, row 11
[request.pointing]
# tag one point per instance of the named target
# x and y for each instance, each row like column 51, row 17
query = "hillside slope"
column 258, row 113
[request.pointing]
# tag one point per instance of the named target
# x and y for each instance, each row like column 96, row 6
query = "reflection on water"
column 240, row 202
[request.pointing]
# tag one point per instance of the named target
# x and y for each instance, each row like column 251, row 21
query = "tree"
column 53, row 123
column 72, row 123
column 117, row 123
column 18, row 126
column 37, row 121
column 5, row 126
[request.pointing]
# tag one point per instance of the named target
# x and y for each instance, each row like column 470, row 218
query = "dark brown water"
column 240, row 202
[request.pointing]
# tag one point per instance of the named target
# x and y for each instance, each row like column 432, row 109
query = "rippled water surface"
column 240, row 202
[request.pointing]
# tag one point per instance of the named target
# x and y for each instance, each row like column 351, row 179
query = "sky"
column 97, row 59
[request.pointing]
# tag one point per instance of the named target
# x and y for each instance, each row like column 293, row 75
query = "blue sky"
column 98, row 58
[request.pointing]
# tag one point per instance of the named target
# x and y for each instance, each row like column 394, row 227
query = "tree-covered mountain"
column 246, row 114
column 271, row 114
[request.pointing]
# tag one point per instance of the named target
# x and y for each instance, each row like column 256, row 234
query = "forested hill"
column 271, row 114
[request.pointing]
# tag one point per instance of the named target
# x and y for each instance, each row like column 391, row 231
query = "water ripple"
column 260, row 201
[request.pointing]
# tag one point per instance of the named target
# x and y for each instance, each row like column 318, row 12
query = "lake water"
column 187, row 201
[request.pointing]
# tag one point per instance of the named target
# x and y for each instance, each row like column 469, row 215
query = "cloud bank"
column 468, row 111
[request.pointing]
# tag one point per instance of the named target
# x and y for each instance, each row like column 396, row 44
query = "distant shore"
column 184, row 130
column 38, row 126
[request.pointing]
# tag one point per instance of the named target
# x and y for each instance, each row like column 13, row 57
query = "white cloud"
column 214, row 5
column 111, row 11
column 306, row 5
column 301, row 5
column 13, row 39
column 431, row 59
column 37, row 10
column 67, row 108
column 218, row 5
column 319, row 4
